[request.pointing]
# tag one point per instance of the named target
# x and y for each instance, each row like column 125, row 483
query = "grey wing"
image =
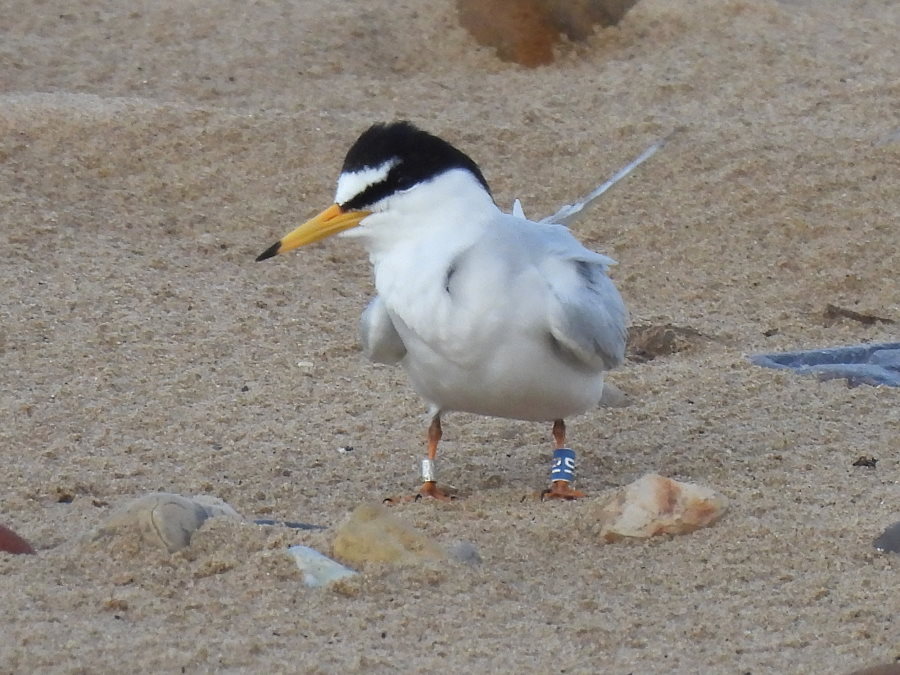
column 588, row 320
column 380, row 341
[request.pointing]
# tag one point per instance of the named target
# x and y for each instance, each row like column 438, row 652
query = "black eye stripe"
column 374, row 193
column 401, row 180
column 395, row 181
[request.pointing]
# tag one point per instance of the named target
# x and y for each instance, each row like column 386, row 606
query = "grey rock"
column 465, row 552
column 889, row 540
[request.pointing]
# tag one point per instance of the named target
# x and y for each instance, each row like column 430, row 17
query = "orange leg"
column 429, row 485
column 559, row 434
column 435, row 433
column 560, row 489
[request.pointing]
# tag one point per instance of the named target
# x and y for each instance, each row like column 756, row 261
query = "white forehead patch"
column 351, row 184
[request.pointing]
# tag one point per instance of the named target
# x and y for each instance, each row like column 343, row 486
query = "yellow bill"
column 328, row 223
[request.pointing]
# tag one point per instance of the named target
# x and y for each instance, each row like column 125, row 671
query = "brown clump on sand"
column 526, row 31
column 149, row 152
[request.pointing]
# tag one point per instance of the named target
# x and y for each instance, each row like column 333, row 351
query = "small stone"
column 889, row 540
column 863, row 460
column 371, row 534
column 166, row 518
column 656, row 505
column 64, row 496
column 318, row 569
column 10, row 542
column 465, row 552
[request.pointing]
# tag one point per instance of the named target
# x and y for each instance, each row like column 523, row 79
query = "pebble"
column 889, row 540
column 465, row 552
column 10, row 542
column 655, row 505
column 165, row 518
column 371, row 534
column 318, row 569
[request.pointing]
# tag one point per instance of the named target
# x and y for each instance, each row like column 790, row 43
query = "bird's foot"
column 429, row 490
column 561, row 489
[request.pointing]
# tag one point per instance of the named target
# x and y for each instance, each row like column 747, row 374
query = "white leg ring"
column 427, row 470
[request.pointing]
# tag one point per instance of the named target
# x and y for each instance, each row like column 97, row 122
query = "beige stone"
column 655, row 505
column 371, row 534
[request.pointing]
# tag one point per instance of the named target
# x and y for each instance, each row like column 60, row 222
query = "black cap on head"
column 420, row 156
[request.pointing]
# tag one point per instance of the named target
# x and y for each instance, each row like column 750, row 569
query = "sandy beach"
column 149, row 151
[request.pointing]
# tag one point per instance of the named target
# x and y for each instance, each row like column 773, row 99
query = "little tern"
column 487, row 312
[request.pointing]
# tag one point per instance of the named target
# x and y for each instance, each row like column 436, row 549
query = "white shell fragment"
column 318, row 569
column 656, row 505
column 166, row 518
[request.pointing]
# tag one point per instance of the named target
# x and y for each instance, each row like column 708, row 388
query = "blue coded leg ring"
column 563, row 465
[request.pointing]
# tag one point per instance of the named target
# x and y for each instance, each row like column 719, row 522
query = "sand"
column 148, row 152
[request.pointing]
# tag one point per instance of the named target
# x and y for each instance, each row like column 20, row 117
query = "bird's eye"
column 404, row 183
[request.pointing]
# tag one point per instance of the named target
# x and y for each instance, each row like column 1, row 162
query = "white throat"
column 454, row 203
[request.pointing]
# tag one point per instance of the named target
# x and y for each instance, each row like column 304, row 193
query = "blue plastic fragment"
column 874, row 364
column 288, row 523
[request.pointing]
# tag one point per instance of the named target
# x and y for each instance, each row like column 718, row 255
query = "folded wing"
column 588, row 319
column 380, row 341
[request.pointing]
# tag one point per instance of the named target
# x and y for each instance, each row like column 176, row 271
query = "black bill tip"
column 270, row 252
